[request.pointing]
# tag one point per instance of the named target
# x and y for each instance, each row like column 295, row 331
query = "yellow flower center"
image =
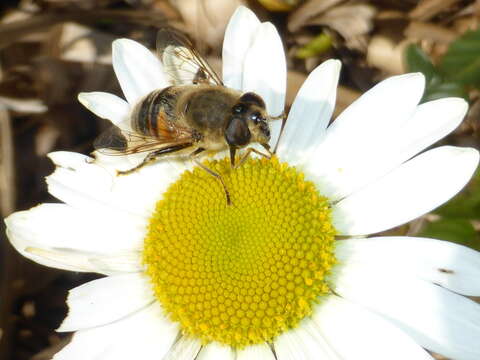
column 243, row 273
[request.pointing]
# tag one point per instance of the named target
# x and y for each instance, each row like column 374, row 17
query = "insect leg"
column 267, row 147
column 154, row 155
column 281, row 116
column 232, row 156
column 250, row 150
column 211, row 172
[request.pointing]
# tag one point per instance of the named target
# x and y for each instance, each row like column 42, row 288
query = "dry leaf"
column 350, row 21
column 427, row 31
column 23, row 106
column 79, row 43
column 310, row 9
column 386, row 54
column 428, row 9
column 206, row 20
column 45, row 139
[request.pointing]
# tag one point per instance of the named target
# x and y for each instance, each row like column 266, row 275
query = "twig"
column 7, row 175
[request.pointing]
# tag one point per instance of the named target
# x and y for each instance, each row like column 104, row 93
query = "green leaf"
column 417, row 60
column 459, row 231
column 465, row 205
column 461, row 63
column 436, row 87
column 445, row 89
column 316, row 46
column 456, row 215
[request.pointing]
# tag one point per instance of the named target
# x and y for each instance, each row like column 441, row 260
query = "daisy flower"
column 286, row 271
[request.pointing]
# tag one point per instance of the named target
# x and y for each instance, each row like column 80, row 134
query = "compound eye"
column 255, row 117
column 238, row 109
column 237, row 133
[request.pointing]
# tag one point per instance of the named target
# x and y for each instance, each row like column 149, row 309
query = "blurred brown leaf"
column 427, row 9
column 310, row 9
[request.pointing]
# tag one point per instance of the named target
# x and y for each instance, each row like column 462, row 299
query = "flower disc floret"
column 243, row 273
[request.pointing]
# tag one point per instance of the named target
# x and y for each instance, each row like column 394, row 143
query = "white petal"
column 138, row 70
column 78, row 261
column 85, row 184
column 265, row 69
column 367, row 126
column 55, row 235
column 61, row 226
column 239, row 35
column 114, row 263
column 310, row 113
column 105, row 105
column 431, row 122
column 214, row 351
column 452, row 266
column 142, row 335
column 356, row 333
column 106, row 300
column 186, row 348
column 360, row 165
column 256, row 352
column 59, row 259
column 387, row 105
column 435, row 318
column 413, row 189
column 289, row 347
column 304, row 343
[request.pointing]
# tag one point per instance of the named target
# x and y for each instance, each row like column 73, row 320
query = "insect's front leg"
column 154, row 155
column 250, row 150
column 278, row 117
column 211, row 172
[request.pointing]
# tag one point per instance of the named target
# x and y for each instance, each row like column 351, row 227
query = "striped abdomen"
column 156, row 110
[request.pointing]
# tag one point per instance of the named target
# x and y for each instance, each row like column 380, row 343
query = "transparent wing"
column 182, row 62
column 120, row 140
